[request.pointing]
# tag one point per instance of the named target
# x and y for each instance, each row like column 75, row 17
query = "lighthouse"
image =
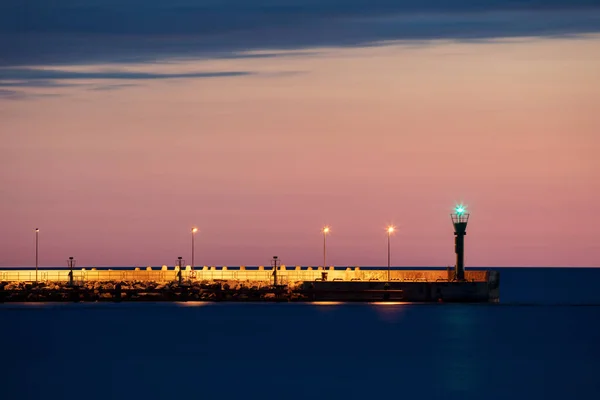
column 460, row 218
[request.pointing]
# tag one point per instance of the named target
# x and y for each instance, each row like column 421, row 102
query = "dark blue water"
column 542, row 341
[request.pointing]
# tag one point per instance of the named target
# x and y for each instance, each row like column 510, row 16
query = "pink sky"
column 353, row 138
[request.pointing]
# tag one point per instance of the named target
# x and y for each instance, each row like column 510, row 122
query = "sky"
column 123, row 124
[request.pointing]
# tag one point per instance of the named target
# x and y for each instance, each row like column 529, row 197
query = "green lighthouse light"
column 460, row 209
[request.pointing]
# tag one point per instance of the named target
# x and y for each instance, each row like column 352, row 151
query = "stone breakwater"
column 374, row 289
column 147, row 291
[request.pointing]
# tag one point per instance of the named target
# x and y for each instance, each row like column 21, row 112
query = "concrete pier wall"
column 400, row 291
column 285, row 274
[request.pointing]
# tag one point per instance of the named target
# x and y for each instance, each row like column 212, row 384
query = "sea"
column 542, row 341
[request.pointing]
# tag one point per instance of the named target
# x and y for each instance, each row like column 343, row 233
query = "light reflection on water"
column 390, row 312
column 326, row 303
column 459, row 326
column 192, row 303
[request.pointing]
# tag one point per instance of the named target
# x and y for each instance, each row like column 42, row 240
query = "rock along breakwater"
column 147, row 291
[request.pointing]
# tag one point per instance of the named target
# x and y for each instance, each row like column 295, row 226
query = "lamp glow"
column 460, row 209
column 194, row 230
column 326, row 229
column 390, row 229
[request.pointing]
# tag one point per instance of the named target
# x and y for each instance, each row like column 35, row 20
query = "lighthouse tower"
column 460, row 218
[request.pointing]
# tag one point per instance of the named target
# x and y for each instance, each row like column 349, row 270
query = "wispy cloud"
column 112, row 87
column 45, row 76
column 22, row 95
column 22, row 78
column 9, row 94
column 39, row 83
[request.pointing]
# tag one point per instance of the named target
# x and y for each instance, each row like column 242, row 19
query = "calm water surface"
column 542, row 342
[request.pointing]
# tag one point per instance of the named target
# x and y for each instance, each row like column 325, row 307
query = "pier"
column 276, row 282
column 240, row 284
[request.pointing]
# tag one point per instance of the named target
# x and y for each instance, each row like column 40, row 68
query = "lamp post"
column 275, row 264
column 194, row 230
column 37, row 234
column 325, row 232
column 71, row 264
column 390, row 230
column 180, row 272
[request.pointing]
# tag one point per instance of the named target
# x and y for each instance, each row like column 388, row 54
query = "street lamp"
column 194, row 230
column 274, row 264
column 180, row 272
column 390, row 229
column 325, row 232
column 37, row 234
column 71, row 264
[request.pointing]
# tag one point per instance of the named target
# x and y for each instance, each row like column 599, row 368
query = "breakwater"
column 220, row 290
column 224, row 284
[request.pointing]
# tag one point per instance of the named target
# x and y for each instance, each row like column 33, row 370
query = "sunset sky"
column 123, row 124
